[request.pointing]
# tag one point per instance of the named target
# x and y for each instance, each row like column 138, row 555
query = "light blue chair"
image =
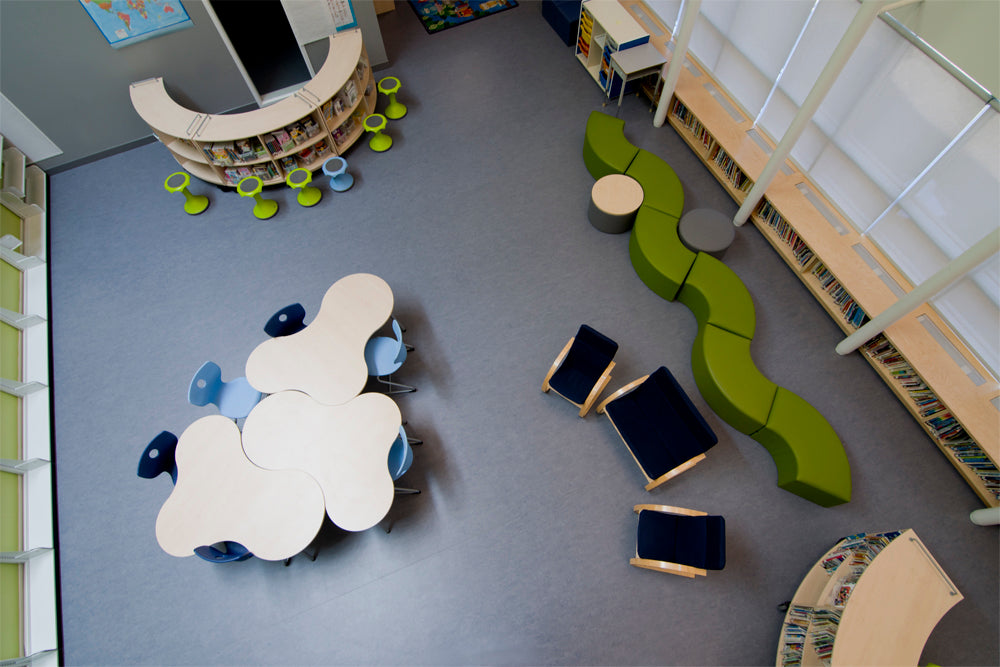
column 336, row 169
column 285, row 322
column 158, row 457
column 384, row 356
column 401, row 458
column 235, row 399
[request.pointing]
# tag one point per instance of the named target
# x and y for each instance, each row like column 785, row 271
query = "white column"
column 681, row 40
column 852, row 37
column 949, row 273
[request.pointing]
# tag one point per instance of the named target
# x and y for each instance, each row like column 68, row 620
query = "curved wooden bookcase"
column 325, row 103
column 889, row 595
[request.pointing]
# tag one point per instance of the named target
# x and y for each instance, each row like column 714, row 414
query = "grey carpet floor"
column 517, row 550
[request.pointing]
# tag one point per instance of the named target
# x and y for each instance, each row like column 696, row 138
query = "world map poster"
column 124, row 22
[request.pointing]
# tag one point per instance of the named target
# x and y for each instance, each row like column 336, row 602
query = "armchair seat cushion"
column 660, row 425
column 698, row 541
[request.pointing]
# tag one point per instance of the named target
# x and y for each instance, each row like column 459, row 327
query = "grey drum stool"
column 614, row 199
column 706, row 230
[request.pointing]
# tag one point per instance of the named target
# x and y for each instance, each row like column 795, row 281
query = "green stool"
column 379, row 142
column 178, row 182
column 299, row 179
column 251, row 187
column 390, row 86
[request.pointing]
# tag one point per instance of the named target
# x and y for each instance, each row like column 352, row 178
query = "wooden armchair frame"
column 662, row 565
column 670, row 474
column 602, row 381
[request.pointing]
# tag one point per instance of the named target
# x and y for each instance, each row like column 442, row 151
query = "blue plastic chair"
column 223, row 552
column 384, row 356
column 285, row 322
column 401, row 458
column 158, row 457
column 235, row 399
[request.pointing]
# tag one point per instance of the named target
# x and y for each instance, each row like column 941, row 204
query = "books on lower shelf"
column 936, row 416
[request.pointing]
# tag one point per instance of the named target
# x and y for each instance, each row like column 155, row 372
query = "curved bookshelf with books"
column 321, row 119
column 872, row 599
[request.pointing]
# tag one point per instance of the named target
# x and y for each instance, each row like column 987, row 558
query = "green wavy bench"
column 807, row 453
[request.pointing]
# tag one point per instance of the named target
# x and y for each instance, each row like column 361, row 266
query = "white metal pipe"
column 867, row 13
column 988, row 246
column 681, row 41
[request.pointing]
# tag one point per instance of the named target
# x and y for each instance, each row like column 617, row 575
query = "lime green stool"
column 389, row 86
column 379, row 142
column 299, row 179
column 178, row 182
column 251, row 187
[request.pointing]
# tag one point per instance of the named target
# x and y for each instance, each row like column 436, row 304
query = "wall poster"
column 124, row 22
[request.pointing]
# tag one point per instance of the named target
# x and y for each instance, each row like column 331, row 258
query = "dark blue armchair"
column 583, row 368
column 679, row 541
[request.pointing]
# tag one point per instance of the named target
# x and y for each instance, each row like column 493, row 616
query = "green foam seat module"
column 716, row 295
column 728, row 379
column 661, row 189
column 810, row 458
column 658, row 256
column 605, row 148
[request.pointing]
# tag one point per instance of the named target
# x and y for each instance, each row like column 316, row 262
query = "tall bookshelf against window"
column 950, row 393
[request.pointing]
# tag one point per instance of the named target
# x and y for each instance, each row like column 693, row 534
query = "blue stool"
column 336, row 169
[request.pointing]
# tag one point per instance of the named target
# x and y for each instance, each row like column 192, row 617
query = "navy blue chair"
column 285, row 322
column 679, row 541
column 583, row 368
column 659, row 424
column 158, row 457
column 223, row 552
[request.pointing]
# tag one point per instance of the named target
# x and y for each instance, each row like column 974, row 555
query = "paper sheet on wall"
column 311, row 20
column 343, row 14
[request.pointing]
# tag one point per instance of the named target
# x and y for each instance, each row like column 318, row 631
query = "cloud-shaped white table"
column 220, row 495
column 326, row 359
column 345, row 448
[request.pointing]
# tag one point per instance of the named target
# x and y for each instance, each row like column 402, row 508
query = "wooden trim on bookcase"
column 971, row 405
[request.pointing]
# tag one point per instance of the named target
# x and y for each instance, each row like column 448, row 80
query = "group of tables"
column 314, row 445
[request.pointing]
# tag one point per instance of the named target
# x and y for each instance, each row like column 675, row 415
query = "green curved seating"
column 657, row 254
column 716, row 295
column 605, row 148
column 661, row 188
column 809, row 457
column 728, row 379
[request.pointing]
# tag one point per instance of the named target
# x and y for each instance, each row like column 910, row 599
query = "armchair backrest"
column 591, row 350
column 683, row 407
column 698, row 541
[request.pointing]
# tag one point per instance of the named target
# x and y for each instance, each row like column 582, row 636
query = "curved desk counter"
column 345, row 76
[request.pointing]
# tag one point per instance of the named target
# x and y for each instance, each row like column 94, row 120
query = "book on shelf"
column 297, row 132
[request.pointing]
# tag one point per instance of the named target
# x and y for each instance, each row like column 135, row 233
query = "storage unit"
column 27, row 540
column 873, row 599
column 323, row 118
column 606, row 28
column 938, row 379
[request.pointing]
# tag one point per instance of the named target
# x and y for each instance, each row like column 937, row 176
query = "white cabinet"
column 605, row 28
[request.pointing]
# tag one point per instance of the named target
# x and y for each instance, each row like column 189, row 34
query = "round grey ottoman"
column 614, row 199
column 706, row 230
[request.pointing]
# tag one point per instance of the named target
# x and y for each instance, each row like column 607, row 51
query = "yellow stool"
column 251, row 187
column 389, row 86
column 178, row 182
column 379, row 142
column 299, row 179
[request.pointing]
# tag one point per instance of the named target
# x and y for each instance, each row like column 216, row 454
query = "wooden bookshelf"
column 848, row 275
column 329, row 110
column 872, row 599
